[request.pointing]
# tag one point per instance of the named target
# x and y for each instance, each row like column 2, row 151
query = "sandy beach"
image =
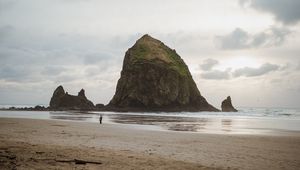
column 50, row 144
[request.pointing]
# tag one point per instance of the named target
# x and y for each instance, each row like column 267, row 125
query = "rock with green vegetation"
column 61, row 100
column 155, row 78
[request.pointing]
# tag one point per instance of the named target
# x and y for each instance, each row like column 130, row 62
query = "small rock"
column 227, row 105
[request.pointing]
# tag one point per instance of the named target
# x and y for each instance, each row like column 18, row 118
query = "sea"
column 248, row 120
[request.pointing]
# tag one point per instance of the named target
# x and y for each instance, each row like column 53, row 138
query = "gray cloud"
column 17, row 73
column 94, row 58
column 6, row 4
column 229, row 73
column 208, row 64
column 216, row 74
column 37, row 56
column 53, row 70
column 240, row 39
column 65, row 78
column 5, row 32
column 285, row 11
column 298, row 67
column 253, row 72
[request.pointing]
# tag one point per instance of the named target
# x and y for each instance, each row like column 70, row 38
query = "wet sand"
column 50, row 144
column 211, row 125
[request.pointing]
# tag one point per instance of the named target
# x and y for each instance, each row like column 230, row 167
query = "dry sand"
column 49, row 144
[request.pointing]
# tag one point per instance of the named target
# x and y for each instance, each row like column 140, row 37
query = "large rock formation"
column 155, row 78
column 227, row 105
column 61, row 100
column 58, row 93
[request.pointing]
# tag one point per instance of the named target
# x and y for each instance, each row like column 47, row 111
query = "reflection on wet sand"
column 193, row 122
column 78, row 116
column 167, row 122
column 69, row 113
column 81, row 118
column 186, row 127
column 226, row 125
column 173, row 123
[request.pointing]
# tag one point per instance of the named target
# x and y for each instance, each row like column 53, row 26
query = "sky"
column 248, row 49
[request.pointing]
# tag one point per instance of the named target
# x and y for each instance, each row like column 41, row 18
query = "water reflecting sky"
column 173, row 122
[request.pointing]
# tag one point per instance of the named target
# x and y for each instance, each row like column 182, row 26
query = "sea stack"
column 155, row 78
column 61, row 100
column 227, row 105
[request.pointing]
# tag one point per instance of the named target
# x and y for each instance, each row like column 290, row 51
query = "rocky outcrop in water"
column 155, row 78
column 61, row 100
column 227, row 105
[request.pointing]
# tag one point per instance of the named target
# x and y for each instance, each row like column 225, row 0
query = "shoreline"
column 185, row 150
column 194, row 123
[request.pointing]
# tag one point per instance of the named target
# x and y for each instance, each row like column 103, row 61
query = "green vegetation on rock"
column 148, row 48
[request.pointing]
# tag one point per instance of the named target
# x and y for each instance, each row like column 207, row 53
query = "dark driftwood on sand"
column 76, row 161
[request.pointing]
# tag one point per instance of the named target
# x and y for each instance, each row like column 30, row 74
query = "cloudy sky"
column 249, row 49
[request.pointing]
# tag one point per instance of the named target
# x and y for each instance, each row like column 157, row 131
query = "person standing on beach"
column 100, row 119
